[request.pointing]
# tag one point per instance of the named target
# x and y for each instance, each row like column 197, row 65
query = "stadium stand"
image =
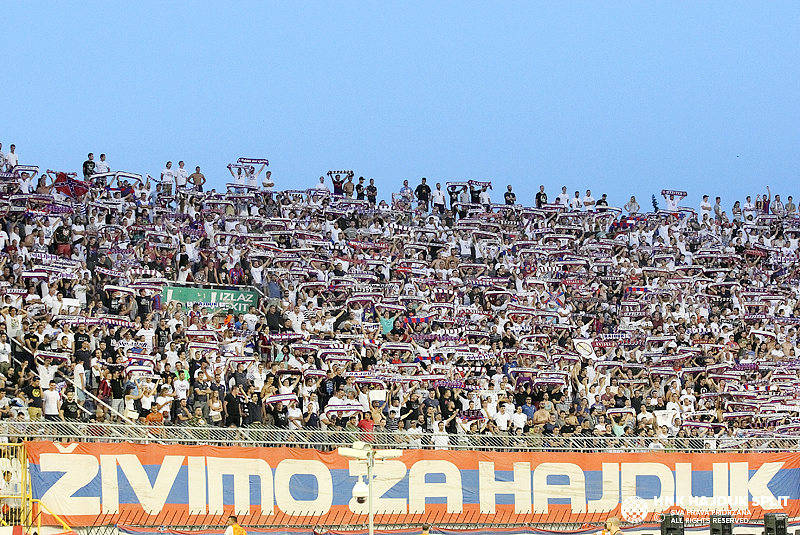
column 150, row 308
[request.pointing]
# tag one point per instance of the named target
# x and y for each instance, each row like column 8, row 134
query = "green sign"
column 212, row 298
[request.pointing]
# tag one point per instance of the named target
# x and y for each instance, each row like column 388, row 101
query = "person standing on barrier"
column 233, row 527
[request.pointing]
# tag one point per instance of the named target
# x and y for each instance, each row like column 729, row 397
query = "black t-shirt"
column 80, row 338
column 144, row 305
column 34, row 394
column 412, row 406
column 32, row 339
column 117, row 389
column 114, row 304
column 201, row 385
column 70, row 409
column 541, row 198
column 162, row 336
column 423, row 192
column 232, row 405
column 372, row 192
column 88, row 168
column 282, row 418
column 475, row 195
column 84, row 357
column 359, row 192
column 511, row 197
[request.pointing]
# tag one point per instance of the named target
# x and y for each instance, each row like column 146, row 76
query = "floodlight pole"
column 364, row 452
column 370, row 465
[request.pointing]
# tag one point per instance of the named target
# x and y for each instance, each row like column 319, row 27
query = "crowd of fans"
column 434, row 314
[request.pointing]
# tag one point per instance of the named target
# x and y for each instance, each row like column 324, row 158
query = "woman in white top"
column 130, row 408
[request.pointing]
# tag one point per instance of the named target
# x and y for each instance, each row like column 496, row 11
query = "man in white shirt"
column 102, row 165
column 181, row 386
column 251, row 318
column 321, row 186
column 563, row 197
column 26, row 183
column 519, row 419
column 705, row 208
column 295, row 416
column 484, row 196
column 51, row 402
column 588, row 201
column 749, row 208
column 167, row 177
column 252, row 176
column 672, row 202
column 11, row 158
column 181, row 176
column 438, row 199
column 575, row 203
column 47, row 371
column 501, row 418
column 79, row 378
column 440, row 438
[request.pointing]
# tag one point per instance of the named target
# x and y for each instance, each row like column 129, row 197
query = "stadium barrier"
column 101, row 484
column 265, row 436
column 15, row 499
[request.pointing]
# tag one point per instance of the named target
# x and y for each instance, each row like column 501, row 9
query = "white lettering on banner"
column 630, row 471
column 419, row 489
column 241, row 470
column 756, row 485
column 574, row 491
column 610, row 497
column 109, row 484
column 152, row 497
column 197, row 485
column 520, row 487
column 386, row 474
column 79, row 471
column 427, row 479
column 286, row 502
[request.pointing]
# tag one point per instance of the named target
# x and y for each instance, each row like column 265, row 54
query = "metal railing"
column 16, row 497
column 264, row 436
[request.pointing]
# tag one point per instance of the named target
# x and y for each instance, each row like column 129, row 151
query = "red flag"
column 70, row 187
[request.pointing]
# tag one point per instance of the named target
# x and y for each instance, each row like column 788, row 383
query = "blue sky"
column 625, row 98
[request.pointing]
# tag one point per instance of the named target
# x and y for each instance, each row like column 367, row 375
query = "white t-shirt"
column 11, row 159
column 101, row 167
column 294, row 413
column 167, row 175
column 672, row 203
column 181, row 177
column 181, row 388
column 79, row 378
column 50, row 400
